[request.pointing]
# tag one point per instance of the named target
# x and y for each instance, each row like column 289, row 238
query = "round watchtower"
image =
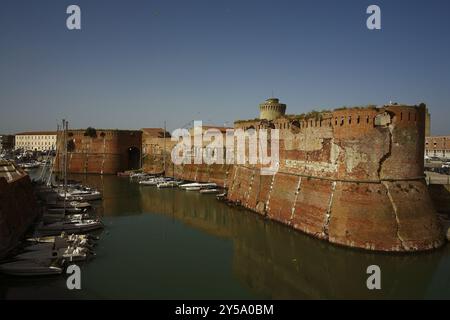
column 271, row 109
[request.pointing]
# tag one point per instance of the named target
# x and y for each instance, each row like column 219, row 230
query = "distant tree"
column 90, row 132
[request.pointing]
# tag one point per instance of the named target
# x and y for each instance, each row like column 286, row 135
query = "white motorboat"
column 63, row 236
column 71, row 227
column 153, row 181
column 169, row 184
column 189, row 185
column 29, row 165
column 49, row 218
column 69, row 253
column 198, row 185
column 139, row 175
column 70, row 204
column 30, row 268
column 81, row 195
column 59, row 243
column 209, row 191
column 192, row 188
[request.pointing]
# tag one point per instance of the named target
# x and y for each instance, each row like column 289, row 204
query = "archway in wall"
column 134, row 158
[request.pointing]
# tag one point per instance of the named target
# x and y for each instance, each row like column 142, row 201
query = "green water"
column 172, row 244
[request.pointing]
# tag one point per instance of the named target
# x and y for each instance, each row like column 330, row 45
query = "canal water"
column 173, row 244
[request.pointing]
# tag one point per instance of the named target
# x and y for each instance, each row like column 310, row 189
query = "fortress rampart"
column 350, row 176
column 18, row 207
column 100, row 151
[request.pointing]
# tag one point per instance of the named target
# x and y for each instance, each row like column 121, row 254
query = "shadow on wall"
column 440, row 195
column 134, row 158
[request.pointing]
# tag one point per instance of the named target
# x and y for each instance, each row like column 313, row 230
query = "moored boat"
column 209, row 191
column 70, row 254
column 198, row 185
column 70, row 227
column 169, row 184
column 70, row 204
column 192, row 188
column 30, row 268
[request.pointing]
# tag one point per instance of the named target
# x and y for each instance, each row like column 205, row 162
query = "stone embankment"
column 18, row 206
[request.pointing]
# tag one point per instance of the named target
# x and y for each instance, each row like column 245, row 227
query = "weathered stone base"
column 385, row 216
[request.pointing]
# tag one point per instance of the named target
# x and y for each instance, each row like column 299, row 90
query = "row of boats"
column 166, row 182
column 63, row 234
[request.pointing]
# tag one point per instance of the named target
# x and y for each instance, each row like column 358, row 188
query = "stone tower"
column 427, row 123
column 271, row 109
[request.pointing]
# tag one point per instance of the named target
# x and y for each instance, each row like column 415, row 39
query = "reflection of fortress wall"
column 18, row 207
column 283, row 265
column 353, row 177
column 279, row 263
column 107, row 153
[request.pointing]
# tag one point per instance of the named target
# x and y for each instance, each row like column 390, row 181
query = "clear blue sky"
column 135, row 63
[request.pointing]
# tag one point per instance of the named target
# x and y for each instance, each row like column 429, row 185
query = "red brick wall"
column 105, row 154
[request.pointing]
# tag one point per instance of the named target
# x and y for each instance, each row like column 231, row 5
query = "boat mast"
column 60, row 153
column 65, row 126
column 164, row 155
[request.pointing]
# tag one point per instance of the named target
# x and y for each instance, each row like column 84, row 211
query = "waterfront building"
column 36, row 141
column 7, row 142
column 437, row 146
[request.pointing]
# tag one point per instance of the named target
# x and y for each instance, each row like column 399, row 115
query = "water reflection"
column 211, row 250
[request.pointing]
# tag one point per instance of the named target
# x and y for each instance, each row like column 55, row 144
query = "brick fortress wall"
column 108, row 152
column 352, row 177
column 18, row 206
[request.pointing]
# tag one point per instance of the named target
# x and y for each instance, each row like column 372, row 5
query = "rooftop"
column 36, row 133
column 155, row 132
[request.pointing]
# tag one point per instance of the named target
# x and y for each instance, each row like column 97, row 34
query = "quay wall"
column 18, row 206
column 353, row 177
column 214, row 173
column 107, row 152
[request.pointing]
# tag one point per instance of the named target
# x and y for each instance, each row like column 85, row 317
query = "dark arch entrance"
column 134, row 158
